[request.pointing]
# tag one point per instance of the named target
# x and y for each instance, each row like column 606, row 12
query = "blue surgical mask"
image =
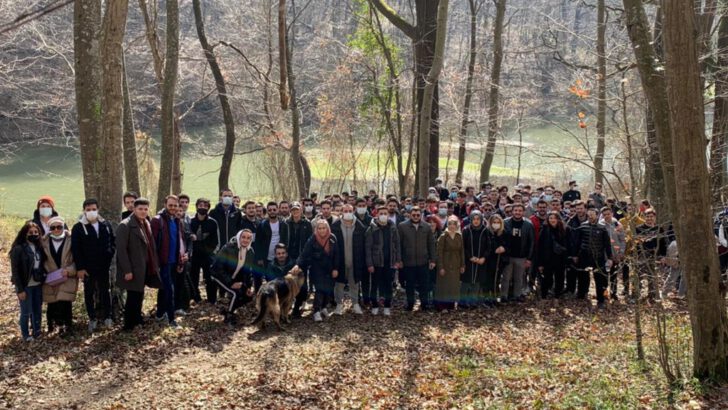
column 408, row 207
column 227, row 200
column 548, row 198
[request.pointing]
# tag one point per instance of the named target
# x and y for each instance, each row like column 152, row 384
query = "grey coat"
column 131, row 254
column 417, row 245
column 375, row 245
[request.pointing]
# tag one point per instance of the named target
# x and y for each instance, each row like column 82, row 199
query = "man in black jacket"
column 281, row 265
column 93, row 245
column 572, row 194
column 593, row 249
column 572, row 272
column 205, row 241
column 227, row 216
column 299, row 230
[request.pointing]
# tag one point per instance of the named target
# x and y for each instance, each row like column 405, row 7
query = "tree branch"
column 408, row 29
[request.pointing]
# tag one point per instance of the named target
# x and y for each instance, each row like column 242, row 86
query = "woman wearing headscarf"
column 476, row 244
column 320, row 256
column 451, row 264
column 496, row 260
column 59, row 294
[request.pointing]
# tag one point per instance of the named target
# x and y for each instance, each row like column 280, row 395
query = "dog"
column 275, row 299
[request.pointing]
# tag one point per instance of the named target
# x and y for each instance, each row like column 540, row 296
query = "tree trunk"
column 168, row 87
column 282, row 54
column 300, row 165
column 87, row 66
column 112, row 109
column 468, row 92
column 718, row 149
column 601, row 90
column 698, row 253
column 654, row 87
column 223, row 181
column 429, row 99
column 493, row 97
column 131, row 165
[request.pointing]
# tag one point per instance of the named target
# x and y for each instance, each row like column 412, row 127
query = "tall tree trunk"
column 168, row 87
column 719, row 140
column 655, row 89
column 493, row 97
column 282, row 54
column 223, row 180
column 429, row 97
column 601, row 90
column 87, row 67
column 698, row 253
column 112, row 109
column 468, row 91
column 300, row 165
column 131, row 165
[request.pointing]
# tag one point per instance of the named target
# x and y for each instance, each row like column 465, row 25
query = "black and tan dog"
column 275, row 299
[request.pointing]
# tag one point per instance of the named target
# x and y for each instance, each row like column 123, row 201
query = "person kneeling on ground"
column 281, row 263
column 233, row 272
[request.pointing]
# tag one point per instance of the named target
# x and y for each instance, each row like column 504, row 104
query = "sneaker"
column 375, row 311
column 387, row 312
column 317, row 317
column 325, row 312
column 339, row 309
column 357, row 309
column 162, row 318
column 29, row 339
column 108, row 323
column 180, row 312
column 92, row 326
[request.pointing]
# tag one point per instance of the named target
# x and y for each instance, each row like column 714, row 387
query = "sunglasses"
column 56, row 228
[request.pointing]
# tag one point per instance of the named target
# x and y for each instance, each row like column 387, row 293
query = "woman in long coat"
column 496, row 260
column 451, row 263
column 57, row 248
column 476, row 244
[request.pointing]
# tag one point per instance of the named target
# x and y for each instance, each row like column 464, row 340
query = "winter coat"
column 527, row 237
column 207, row 236
column 298, row 234
column 93, row 251
column 317, row 261
column 263, row 238
column 375, row 245
column 22, row 260
column 592, row 244
column 358, row 250
column 131, row 255
column 494, row 263
column 66, row 291
column 228, row 221
column 276, row 271
column 546, row 255
column 616, row 236
column 451, row 258
column 651, row 242
column 160, row 232
column 476, row 244
column 36, row 219
column 226, row 261
column 417, row 245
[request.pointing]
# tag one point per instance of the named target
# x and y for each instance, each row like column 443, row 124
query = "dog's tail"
column 261, row 303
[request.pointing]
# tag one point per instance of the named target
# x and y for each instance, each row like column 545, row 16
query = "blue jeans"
column 165, row 296
column 30, row 309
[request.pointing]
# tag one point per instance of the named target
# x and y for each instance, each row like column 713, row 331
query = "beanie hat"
column 56, row 219
column 46, row 199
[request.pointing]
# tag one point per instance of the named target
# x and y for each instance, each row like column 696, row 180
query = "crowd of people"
column 451, row 249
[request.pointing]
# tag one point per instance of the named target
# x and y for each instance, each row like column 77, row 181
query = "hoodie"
column 93, row 250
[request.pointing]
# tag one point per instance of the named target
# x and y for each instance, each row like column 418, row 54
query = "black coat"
column 494, row 263
column 298, row 234
column 36, row 219
column 93, row 251
column 263, row 238
column 276, row 271
column 319, row 263
column 475, row 244
column 207, row 236
column 226, row 261
column 228, row 222
column 546, row 249
column 21, row 265
column 358, row 250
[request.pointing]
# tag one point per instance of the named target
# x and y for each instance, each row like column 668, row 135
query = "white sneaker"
column 29, row 339
column 339, row 309
column 108, row 323
column 325, row 312
column 357, row 309
column 92, row 326
column 317, row 317
column 375, row 311
column 180, row 312
column 387, row 312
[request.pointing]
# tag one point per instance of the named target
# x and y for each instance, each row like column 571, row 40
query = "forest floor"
column 537, row 354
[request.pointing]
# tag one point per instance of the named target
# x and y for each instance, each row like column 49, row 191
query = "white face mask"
column 227, row 200
column 92, row 215
column 442, row 211
column 45, row 212
column 495, row 226
column 58, row 236
column 349, row 216
column 308, row 208
column 361, row 211
column 383, row 219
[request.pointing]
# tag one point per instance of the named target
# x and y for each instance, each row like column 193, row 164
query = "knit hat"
column 46, row 199
column 56, row 219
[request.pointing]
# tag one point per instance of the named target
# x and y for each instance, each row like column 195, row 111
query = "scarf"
column 324, row 240
column 151, row 260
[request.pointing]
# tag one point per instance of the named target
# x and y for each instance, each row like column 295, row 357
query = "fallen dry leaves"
column 532, row 355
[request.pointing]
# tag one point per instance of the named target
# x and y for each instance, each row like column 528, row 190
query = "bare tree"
column 170, row 81
column 601, row 90
column 468, row 89
column 698, row 258
column 131, row 165
column 719, row 139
